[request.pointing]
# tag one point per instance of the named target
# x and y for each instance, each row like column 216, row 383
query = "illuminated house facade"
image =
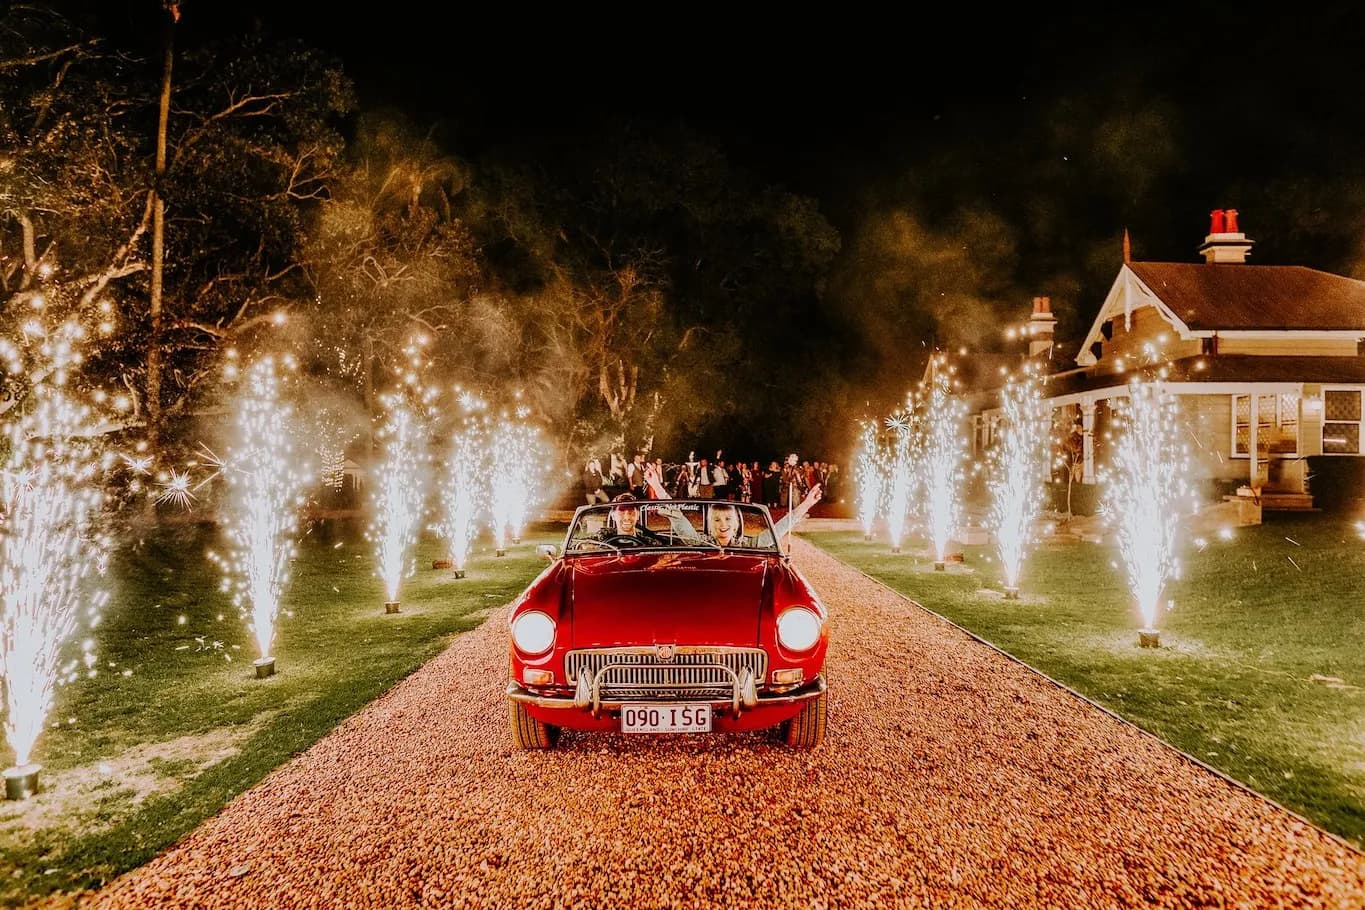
column 1263, row 359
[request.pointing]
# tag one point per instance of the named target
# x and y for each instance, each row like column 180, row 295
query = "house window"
column 1341, row 422
column 1241, row 421
column 1277, row 423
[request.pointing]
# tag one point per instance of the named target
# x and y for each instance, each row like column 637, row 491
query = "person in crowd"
column 772, row 485
column 793, row 482
column 682, row 482
column 635, row 476
column 706, row 484
column 746, row 483
column 593, row 481
column 720, row 477
column 654, row 479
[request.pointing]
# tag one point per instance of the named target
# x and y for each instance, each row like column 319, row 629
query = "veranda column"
column 1252, row 441
column 1087, row 442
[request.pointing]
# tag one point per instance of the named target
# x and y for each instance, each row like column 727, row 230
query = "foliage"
column 654, row 259
column 251, row 145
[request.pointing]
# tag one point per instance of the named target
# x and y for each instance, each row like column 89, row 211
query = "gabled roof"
column 1214, row 297
column 1199, row 299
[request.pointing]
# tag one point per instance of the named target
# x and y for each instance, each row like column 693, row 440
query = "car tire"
column 807, row 729
column 529, row 733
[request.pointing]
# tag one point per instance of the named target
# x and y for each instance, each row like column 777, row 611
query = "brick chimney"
column 1225, row 243
column 1040, row 327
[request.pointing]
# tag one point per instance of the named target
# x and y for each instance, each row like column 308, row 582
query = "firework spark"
column 398, row 494
column 943, row 466
column 1146, row 482
column 462, row 493
column 868, row 474
column 265, row 491
column 176, row 489
column 49, row 499
column 516, row 460
column 900, row 482
column 1017, row 464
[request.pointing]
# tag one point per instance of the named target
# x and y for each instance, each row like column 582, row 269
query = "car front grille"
column 692, row 673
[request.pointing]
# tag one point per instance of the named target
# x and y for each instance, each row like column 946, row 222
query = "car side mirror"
column 548, row 551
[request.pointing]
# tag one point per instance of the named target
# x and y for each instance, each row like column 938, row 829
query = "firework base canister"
column 516, row 540
column 22, row 782
column 1011, row 593
column 459, row 573
column 500, row 552
column 895, row 549
column 1149, row 638
column 391, row 607
column 940, row 567
column 264, row 667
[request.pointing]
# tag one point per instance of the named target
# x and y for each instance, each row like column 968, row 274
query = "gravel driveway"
column 978, row 783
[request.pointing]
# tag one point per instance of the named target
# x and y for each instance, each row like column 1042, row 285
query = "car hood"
column 667, row 598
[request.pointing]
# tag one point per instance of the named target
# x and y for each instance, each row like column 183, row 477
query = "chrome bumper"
column 745, row 696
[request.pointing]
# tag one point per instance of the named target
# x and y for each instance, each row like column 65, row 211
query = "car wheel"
column 807, row 729
column 529, row 733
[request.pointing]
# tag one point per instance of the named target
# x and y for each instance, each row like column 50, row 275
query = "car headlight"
column 533, row 632
column 798, row 629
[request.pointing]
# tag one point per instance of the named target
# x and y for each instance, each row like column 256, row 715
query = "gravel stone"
column 952, row 776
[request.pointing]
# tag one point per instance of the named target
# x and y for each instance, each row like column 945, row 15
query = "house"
column 1265, row 361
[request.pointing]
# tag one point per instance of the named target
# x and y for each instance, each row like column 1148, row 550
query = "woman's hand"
column 811, row 498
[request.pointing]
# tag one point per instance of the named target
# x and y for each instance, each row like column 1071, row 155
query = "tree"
column 390, row 259
column 652, row 261
column 248, row 147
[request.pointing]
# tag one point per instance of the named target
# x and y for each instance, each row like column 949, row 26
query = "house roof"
column 1237, row 296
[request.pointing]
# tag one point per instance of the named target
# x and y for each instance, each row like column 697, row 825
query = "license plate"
column 665, row 718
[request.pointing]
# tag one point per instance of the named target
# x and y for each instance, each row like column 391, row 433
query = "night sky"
column 1071, row 127
column 1010, row 150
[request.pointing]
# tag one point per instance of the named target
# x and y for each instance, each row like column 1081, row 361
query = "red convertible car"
column 675, row 616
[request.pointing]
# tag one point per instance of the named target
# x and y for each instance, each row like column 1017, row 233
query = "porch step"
column 1278, row 501
column 1287, row 502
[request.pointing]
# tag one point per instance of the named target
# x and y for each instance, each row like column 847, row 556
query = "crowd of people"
column 776, row 486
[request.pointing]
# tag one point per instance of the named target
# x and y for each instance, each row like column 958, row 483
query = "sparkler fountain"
column 1146, row 481
column 1017, row 464
column 398, row 496
column 943, row 467
column 461, row 494
column 48, row 501
column 868, row 473
column 900, row 482
column 515, row 461
column 265, row 491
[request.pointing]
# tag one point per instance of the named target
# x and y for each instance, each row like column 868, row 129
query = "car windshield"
column 671, row 524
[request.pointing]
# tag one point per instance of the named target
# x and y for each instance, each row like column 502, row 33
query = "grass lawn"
column 175, row 725
column 1261, row 672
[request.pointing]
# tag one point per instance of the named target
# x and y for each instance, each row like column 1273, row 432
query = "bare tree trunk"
column 172, row 8
column 370, row 409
